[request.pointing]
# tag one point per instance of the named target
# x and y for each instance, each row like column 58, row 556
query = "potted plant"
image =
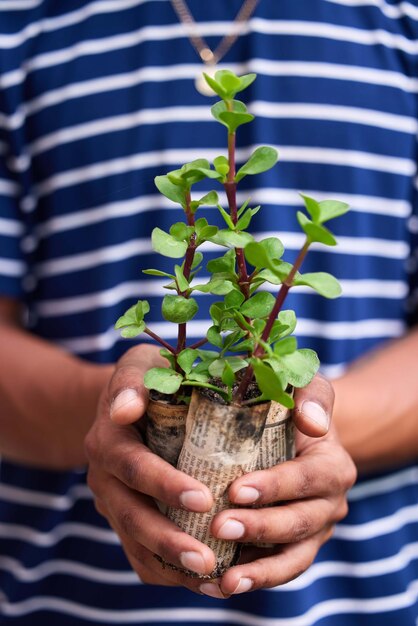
column 243, row 371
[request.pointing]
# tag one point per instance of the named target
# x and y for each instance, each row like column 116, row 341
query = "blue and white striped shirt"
column 97, row 97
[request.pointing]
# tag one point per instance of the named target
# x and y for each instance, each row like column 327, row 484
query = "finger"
column 285, row 524
column 312, row 474
column 313, row 407
column 127, row 394
column 141, row 470
column 137, row 517
column 278, row 569
column 152, row 571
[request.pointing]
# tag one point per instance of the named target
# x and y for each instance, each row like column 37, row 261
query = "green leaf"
column 329, row 209
column 300, row 367
column 278, row 330
column 286, row 346
column 201, row 378
column 270, row 384
column 178, row 309
column 225, row 263
column 203, row 230
column 198, row 258
column 221, row 165
column 182, row 281
column 209, row 199
column 163, row 380
column 214, row 337
column 259, row 305
column 287, row 318
column 229, row 82
column 216, row 311
column 133, row 330
column 186, row 358
column 312, row 206
column 166, row 354
column 325, row 284
column 220, row 107
column 157, row 273
column 315, row 232
column 245, row 219
column 180, row 231
column 217, row 286
column 165, row 244
column 232, row 239
column 207, row 355
column 133, row 317
column 246, row 80
column 215, row 86
column 227, row 217
column 235, row 362
column 234, row 299
column 233, row 119
column 261, row 160
column 228, row 376
column 264, row 253
column 170, row 190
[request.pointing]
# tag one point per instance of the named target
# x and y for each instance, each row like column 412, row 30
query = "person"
column 96, row 99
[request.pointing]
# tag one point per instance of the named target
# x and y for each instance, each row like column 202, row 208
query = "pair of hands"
column 127, row 478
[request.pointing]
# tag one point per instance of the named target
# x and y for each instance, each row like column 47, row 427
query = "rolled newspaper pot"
column 278, row 441
column 165, row 429
column 221, row 444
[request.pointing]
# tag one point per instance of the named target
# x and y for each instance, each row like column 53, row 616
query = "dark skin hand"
column 127, row 478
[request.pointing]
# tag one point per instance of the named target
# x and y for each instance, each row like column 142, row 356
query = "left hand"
column 310, row 491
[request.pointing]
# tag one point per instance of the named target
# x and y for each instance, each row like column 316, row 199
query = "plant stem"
column 281, row 296
column 199, row 343
column 231, row 194
column 157, row 338
column 188, row 262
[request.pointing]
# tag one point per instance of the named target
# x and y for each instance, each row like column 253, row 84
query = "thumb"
column 127, row 393
column 313, row 407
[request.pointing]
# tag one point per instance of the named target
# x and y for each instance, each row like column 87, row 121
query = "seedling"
column 251, row 336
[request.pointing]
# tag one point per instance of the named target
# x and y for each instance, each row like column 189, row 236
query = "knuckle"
column 90, row 446
column 305, row 482
column 129, row 521
column 259, row 529
column 342, row 510
column 92, row 481
column 131, row 471
column 301, row 528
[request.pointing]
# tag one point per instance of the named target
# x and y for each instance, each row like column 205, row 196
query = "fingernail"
column 123, row 399
column 212, row 590
column 247, row 495
column 194, row 500
column 193, row 561
column 244, row 585
column 316, row 413
column 231, row 529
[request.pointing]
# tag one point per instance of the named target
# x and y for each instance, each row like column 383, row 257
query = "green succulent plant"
column 251, row 336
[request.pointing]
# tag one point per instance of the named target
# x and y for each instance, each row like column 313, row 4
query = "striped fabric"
column 96, row 99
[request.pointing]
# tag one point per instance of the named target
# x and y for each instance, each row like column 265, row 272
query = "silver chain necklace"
column 209, row 57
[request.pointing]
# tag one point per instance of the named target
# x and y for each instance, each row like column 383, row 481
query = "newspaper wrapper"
column 221, row 444
column 277, row 443
column 166, row 426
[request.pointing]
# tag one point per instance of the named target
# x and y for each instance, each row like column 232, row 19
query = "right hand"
column 126, row 479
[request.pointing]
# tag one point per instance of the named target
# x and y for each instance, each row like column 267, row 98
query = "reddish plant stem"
column 199, row 343
column 281, row 296
column 188, row 262
column 231, row 194
column 157, row 338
